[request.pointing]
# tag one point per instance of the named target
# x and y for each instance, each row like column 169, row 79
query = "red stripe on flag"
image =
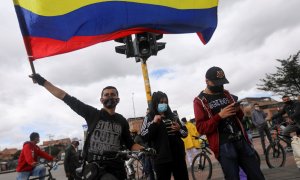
column 201, row 37
column 44, row 47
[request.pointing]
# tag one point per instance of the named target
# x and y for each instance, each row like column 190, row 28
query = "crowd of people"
column 217, row 115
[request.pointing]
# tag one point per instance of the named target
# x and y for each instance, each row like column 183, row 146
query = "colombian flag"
column 51, row 27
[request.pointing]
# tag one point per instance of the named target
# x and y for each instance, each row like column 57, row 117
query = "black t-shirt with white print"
column 226, row 126
column 111, row 132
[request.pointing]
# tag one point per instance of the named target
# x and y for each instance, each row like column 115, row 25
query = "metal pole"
column 50, row 139
column 133, row 105
column 146, row 81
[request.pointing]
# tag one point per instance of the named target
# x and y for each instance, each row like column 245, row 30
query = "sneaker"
column 288, row 149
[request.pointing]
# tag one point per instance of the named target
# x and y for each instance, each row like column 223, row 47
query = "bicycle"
column 202, row 165
column 134, row 166
column 134, row 171
column 50, row 166
column 275, row 153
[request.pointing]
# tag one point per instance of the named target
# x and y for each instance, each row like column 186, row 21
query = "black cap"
column 33, row 136
column 216, row 75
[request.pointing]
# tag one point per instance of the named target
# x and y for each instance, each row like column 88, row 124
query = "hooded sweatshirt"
column 29, row 155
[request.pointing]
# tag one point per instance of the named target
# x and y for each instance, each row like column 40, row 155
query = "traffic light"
column 157, row 46
column 127, row 48
column 142, row 45
column 146, row 45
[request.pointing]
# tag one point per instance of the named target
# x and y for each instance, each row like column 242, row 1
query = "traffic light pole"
column 146, row 81
column 144, row 46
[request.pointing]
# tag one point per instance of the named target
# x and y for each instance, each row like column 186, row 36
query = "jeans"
column 288, row 130
column 148, row 167
column 263, row 129
column 39, row 171
column 239, row 154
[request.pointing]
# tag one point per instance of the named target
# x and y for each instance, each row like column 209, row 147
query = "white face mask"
column 257, row 108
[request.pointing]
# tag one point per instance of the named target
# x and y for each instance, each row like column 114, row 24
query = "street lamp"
column 50, row 138
column 133, row 105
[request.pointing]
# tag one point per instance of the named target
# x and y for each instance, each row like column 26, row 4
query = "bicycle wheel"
column 275, row 155
column 201, row 166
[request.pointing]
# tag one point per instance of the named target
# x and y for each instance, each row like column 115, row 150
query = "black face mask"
column 288, row 102
column 216, row 89
column 110, row 103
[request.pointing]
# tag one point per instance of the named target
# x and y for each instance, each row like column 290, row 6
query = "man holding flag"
column 107, row 130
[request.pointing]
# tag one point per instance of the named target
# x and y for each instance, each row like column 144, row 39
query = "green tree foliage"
column 286, row 81
column 53, row 150
column 17, row 154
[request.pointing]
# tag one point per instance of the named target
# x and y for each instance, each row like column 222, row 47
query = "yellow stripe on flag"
column 61, row 7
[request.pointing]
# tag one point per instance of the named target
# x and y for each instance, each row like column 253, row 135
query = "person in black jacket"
column 163, row 132
column 107, row 130
column 71, row 161
column 292, row 109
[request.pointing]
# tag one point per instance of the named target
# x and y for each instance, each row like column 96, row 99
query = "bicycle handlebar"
column 51, row 164
column 126, row 154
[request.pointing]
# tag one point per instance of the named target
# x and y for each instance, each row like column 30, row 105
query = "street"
column 289, row 171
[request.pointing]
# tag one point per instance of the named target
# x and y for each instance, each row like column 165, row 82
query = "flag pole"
column 31, row 65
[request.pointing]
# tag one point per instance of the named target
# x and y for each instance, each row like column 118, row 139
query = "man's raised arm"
column 57, row 92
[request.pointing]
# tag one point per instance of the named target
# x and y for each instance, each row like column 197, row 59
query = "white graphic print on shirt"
column 218, row 103
column 106, row 137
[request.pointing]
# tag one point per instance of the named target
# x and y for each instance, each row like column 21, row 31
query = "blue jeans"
column 239, row 154
column 38, row 171
column 148, row 167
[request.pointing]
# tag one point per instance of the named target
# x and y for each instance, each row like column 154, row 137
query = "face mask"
column 257, row 108
column 162, row 107
column 216, row 89
column 110, row 103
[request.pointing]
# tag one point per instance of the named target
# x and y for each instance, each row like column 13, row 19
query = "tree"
column 286, row 81
column 16, row 155
column 54, row 150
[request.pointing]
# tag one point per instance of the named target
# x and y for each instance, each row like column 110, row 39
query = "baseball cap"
column 216, row 75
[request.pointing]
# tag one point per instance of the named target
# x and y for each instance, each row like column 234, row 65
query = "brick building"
column 64, row 141
column 135, row 123
column 8, row 153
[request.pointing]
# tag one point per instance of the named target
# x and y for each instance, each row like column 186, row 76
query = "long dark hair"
column 156, row 97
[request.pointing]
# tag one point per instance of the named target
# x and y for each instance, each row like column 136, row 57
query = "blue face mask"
column 162, row 107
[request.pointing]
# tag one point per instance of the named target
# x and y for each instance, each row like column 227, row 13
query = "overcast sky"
column 250, row 36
